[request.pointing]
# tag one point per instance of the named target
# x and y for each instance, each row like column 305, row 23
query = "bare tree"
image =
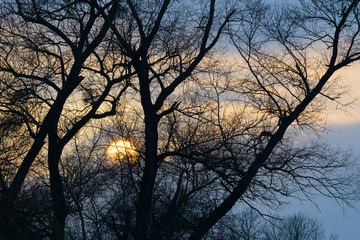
column 297, row 227
column 284, row 81
column 250, row 225
column 246, row 225
column 165, row 42
column 48, row 59
column 207, row 135
column 247, row 157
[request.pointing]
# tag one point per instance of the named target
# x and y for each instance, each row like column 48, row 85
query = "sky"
column 343, row 222
column 344, row 131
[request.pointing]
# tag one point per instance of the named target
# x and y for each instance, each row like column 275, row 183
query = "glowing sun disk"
column 119, row 150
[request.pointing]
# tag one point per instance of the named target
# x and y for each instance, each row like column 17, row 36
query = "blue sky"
column 344, row 131
column 343, row 222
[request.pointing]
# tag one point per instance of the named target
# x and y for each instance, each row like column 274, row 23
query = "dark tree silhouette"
column 164, row 42
column 52, row 53
column 209, row 132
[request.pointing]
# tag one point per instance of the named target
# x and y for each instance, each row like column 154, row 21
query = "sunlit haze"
column 349, row 114
column 120, row 150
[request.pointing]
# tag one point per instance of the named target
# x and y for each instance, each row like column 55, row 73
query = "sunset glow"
column 121, row 151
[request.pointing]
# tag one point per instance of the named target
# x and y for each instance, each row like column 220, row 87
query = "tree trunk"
column 57, row 192
column 9, row 228
column 147, row 183
column 151, row 142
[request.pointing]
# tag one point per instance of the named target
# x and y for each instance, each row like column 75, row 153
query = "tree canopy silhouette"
column 215, row 98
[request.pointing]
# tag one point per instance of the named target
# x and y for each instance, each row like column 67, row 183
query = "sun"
column 121, row 150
